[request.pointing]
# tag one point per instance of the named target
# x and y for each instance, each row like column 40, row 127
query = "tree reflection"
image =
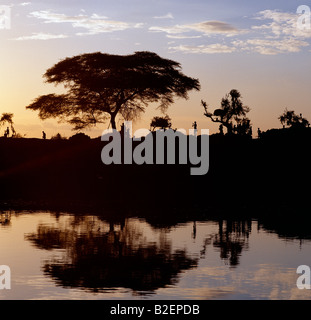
column 231, row 239
column 99, row 256
column 293, row 226
column 5, row 218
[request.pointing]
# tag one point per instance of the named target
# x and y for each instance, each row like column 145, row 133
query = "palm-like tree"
column 7, row 118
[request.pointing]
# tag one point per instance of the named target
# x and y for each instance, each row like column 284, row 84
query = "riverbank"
column 244, row 175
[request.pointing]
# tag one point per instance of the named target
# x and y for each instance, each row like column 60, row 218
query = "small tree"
column 292, row 120
column 7, row 118
column 101, row 86
column 58, row 136
column 80, row 137
column 161, row 122
column 231, row 114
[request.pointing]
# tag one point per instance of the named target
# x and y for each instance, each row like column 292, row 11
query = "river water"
column 58, row 255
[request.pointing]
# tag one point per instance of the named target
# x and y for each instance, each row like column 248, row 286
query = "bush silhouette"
column 80, row 137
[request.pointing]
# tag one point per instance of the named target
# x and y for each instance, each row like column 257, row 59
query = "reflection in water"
column 293, row 227
column 100, row 256
column 61, row 255
column 5, row 218
column 104, row 255
column 232, row 239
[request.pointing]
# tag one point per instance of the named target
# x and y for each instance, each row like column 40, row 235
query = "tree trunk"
column 113, row 114
column 229, row 128
column 113, row 121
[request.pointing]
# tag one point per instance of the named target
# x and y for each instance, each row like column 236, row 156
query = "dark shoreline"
column 246, row 177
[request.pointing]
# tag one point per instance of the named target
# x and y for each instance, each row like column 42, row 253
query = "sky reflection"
column 62, row 256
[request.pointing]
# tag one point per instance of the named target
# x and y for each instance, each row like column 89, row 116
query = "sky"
column 252, row 46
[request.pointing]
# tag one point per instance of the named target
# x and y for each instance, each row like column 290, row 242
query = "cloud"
column 169, row 30
column 276, row 33
column 24, row 4
column 167, row 16
column 41, row 36
column 213, row 27
column 182, row 37
column 282, row 24
column 210, row 49
column 271, row 47
column 94, row 24
column 205, row 28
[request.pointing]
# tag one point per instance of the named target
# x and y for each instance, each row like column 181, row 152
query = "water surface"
column 65, row 256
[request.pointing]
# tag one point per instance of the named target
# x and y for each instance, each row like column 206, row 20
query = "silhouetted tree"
column 231, row 114
column 102, row 258
column 58, row 136
column 80, row 137
column 7, row 118
column 161, row 122
column 101, row 86
column 290, row 119
column 232, row 240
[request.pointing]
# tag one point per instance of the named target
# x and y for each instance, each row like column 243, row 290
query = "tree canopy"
column 101, row 86
column 161, row 122
column 231, row 114
column 291, row 119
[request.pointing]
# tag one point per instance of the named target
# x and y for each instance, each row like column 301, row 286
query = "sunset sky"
column 252, row 46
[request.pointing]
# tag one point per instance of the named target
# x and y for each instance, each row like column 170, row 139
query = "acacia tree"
column 291, row 119
column 161, row 122
column 231, row 114
column 101, row 86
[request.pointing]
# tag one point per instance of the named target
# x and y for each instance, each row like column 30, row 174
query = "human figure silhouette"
column 7, row 132
column 43, row 135
column 194, row 125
